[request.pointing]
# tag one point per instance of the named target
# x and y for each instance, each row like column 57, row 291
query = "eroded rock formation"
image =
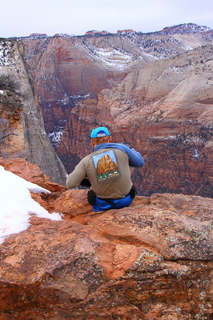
column 152, row 260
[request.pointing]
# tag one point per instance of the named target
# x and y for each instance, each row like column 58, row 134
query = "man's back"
column 109, row 173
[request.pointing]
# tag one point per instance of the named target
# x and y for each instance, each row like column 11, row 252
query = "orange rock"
column 152, row 260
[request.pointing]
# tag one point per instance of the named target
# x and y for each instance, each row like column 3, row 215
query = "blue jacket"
column 135, row 158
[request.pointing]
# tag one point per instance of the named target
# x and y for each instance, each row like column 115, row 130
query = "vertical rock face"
column 22, row 130
column 11, row 132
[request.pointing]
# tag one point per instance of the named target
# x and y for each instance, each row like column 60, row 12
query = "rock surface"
column 22, row 128
column 152, row 260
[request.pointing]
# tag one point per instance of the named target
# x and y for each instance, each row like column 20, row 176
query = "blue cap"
column 99, row 132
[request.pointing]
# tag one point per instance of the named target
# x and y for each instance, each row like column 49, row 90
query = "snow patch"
column 195, row 153
column 55, row 137
column 113, row 57
column 17, row 205
column 174, row 69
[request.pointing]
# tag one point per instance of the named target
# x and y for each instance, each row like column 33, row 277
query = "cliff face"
column 65, row 71
column 22, row 128
column 152, row 260
column 11, row 134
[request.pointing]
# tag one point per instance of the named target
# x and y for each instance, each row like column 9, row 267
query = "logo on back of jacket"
column 106, row 165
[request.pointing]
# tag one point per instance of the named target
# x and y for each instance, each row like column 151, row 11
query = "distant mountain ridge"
column 186, row 28
column 181, row 28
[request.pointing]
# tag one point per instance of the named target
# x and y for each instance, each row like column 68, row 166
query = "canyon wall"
column 22, row 128
column 69, row 69
column 154, row 92
column 164, row 110
column 66, row 71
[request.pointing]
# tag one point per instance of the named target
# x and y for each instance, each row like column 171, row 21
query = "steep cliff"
column 151, row 261
column 22, row 128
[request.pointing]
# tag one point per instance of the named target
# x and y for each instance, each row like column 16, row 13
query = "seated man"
column 108, row 172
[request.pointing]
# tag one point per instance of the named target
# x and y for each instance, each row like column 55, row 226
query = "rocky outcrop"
column 30, row 172
column 22, row 127
column 152, row 260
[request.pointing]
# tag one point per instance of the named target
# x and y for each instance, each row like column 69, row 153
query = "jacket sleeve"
column 74, row 179
column 135, row 158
